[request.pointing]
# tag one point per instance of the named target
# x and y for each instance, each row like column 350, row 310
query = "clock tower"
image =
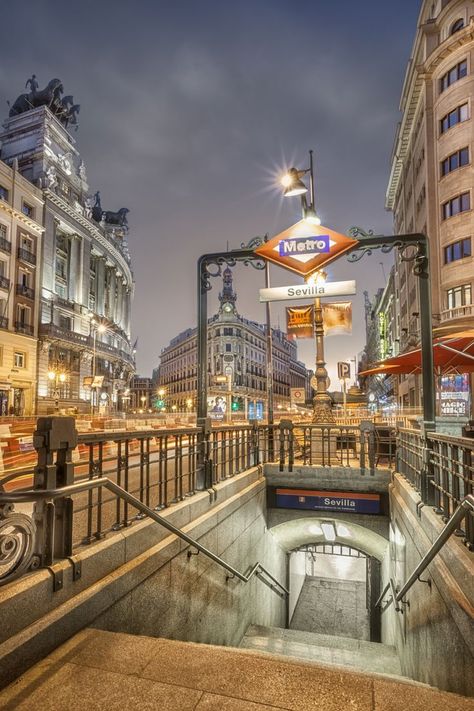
column 227, row 296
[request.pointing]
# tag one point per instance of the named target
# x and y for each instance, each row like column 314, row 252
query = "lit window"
column 3, row 193
column 19, row 359
column 454, row 161
column 457, row 115
column 459, row 296
column 458, row 204
column 457, row 250
column 459, row 71
column 457, row 25
column 27, row 209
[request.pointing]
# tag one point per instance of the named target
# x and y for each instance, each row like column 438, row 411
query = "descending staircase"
column 106, row 671
column 323, row 648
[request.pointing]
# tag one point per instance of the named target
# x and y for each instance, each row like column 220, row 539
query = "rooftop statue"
column 64, row 109
column 116, row 218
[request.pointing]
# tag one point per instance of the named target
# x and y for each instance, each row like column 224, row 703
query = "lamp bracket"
column 368, row 241
column 211, row 264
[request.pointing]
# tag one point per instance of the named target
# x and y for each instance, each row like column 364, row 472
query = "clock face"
column 228, row 308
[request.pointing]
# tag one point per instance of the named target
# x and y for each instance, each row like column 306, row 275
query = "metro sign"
column 305, row 248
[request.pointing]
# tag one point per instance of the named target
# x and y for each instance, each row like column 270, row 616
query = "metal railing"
column 26, row 256
column 441, row 468
column 463, row 511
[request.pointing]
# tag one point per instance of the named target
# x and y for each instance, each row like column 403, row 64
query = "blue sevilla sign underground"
column 346, row 502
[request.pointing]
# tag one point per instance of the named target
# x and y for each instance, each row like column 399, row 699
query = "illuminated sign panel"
column 315, row 500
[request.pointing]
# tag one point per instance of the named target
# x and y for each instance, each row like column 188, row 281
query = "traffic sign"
column 308, row 291
column 304, row 247
column 297, row 395
column 343, row 370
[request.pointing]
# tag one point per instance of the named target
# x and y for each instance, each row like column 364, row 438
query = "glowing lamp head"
column 101, row 328
column 317, row 278
column 293, row 184
column 62, row 377
column 51, row 375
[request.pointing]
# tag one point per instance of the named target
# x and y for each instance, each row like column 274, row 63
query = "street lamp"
column 96, row 328
column 322, row 400
column 56, row 378
column 294, row 186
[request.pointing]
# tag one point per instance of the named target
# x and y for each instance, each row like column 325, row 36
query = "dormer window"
column 456, row 26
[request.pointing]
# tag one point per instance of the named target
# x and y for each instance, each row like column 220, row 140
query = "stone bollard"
column 54, row 440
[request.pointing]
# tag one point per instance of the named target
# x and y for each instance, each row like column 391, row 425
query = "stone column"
column 126, row 318
column 112, row 298
column 100, row 285
column 73, row 268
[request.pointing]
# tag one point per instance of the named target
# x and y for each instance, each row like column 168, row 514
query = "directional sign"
column 308, row 291
column 304, row 247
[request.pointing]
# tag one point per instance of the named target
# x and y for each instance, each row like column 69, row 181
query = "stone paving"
column 99, row 670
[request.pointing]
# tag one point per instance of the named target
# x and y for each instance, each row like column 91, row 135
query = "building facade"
column 237, row 350
column 21, row 235
column 85, row 359
column 432, row 175
column 142, row 393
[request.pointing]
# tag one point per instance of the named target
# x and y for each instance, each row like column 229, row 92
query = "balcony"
column 5, row 245
column 4, row 282
column 25, row 328
column 457, row 312
column 25, row 291
column 26, row 256
column 3, row 322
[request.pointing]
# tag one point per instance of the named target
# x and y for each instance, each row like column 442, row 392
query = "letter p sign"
column 343, row 371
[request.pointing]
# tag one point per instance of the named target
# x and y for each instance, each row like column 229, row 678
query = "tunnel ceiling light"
column 329, row 531
column 343, row 530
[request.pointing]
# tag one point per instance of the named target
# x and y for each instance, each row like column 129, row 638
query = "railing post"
column 286, row 425
column 427, row 492
column 256, row 453
column 54, row 439
column 204, row 462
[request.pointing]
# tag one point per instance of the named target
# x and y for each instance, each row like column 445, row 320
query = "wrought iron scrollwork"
column 411, row 248
column 17, row 537
column 212, row 267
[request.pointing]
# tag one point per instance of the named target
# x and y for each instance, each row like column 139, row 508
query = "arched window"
column 456, row 26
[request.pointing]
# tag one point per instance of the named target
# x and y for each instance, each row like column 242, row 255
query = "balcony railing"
column 4, row 282
column 5, row 245
column 24, row 328
column 25, row 291
column 26, row 256
column 3, row 322
column 457, row 312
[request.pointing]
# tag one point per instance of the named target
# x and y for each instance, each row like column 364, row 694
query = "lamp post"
column 294, row 186
column 56, row 377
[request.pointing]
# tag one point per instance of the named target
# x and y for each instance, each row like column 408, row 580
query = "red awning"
column 452, row 354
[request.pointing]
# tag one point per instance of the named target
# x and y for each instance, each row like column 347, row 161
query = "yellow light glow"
column 62, row 377
column 316, row 279
column 51, row 375
column 174, row 408
column 101, row 328
column 286, row 180
column 161, row 392
column 313, row 219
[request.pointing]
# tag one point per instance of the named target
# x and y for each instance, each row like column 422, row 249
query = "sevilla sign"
column 305, row 248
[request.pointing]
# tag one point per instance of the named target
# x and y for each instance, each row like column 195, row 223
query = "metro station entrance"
column 332, row 591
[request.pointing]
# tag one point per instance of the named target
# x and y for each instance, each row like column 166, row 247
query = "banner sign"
column 308, row 291
column 300, row 322
column 297, row 396
column 216, row 407
column 347, row 502
column 337, row 318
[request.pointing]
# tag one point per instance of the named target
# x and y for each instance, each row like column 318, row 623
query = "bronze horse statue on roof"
column 50, row 96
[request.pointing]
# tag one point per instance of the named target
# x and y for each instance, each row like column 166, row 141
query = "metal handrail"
column 49, row 494
column 463, row 509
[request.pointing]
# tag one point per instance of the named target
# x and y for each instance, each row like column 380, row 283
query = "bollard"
column 54, row 440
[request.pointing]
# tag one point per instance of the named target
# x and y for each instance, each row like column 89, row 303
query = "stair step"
column 328, row 649
column 99, row 670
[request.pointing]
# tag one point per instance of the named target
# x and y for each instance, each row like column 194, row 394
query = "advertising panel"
column 337, row 317
column 216, row 407
column 454, row 395
column 300, row 322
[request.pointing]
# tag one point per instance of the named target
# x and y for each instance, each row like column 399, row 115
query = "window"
column 22, row 315
column 65, row 323
column 454, row 161
column 3, row 193
column 228, row 332
column 455, row 73
column 27, row 210
column 458, row 204
column 19, row 359
column 457, row 250
column 459, row 296
column 228, row 347
column 458, row 115
column 61, row 267
column 456, row 26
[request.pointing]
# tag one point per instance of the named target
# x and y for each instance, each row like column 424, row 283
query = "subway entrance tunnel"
column 108, row 616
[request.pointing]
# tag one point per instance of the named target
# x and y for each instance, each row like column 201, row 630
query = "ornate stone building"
column 432, row 175
column 236, row 348
column 21, row 232
column 86, row 277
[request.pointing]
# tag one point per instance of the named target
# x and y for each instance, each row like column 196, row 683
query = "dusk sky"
column 191, row 110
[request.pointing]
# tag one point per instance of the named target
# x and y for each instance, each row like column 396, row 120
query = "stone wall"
column 434, row 636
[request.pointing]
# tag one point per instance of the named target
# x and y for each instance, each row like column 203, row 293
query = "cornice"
column 21, row 217
column 92, row 230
